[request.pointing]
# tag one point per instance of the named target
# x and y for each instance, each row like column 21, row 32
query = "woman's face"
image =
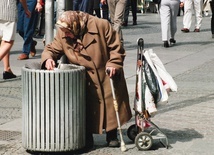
column 68, row 33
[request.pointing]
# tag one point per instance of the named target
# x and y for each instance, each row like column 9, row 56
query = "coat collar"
column 89, row 36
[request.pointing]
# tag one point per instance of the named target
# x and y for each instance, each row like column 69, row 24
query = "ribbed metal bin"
column 53, row 104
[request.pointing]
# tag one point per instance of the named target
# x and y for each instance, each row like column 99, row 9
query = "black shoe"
column 8, row 75
column 125, row 24
column 165, row 44
column 134, row 22
column 172, row 41
column 111, row 138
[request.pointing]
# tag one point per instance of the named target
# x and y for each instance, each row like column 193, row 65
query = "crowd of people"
column 75, row 30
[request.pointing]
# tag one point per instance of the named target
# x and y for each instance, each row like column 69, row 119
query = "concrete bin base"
column 53, row 104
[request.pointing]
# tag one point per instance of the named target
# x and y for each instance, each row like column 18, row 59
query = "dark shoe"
column 111, row 138
column 172, row 41
column 23, row 56
column 114, row 143
column 197, row 30
column 185, row 30
column 165, row 44
column 125, row 24
column 8, row 75
column 134, row 22
column 33, row 48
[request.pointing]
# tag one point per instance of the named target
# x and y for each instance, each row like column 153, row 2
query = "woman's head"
column 74, row 21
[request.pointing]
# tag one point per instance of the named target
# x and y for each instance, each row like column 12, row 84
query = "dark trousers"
column 133, row 4
column 105, row 11
column 81, row 5
column 26, row 26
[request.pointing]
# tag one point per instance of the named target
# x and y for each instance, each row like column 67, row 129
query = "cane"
column 122, row 143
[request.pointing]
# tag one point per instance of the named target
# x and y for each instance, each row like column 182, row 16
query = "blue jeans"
column 26, row 26
column 81, row 5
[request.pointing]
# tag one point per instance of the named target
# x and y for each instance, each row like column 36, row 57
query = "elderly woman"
column 91, row 42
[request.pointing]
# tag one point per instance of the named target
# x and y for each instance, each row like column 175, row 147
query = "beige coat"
column 102, row 48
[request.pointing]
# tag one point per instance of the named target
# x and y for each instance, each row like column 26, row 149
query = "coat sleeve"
column 115, row 50
column 54, row 50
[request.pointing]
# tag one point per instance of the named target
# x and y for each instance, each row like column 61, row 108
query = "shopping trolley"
column 144, row 131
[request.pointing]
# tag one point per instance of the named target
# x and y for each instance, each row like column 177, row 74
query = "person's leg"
column 105, row 11
column 111, row 7
column 173, row 21
column 134, row 11
column 111, row 138
column 119, row 14
column 20, row 23
column 29, row 28
column 118, row 17
column 5, row 48
column 187, row 19
column 91, row 7
column 84, row 5
column 165, row 19
column 126, row 14
column 8, row 30
column 76, row 4
column 198, row 13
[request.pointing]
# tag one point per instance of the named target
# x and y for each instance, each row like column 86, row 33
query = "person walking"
column 168, row 14
column 133, row 4
column 93, row 43
column 26, row 27
column 116, row 10
column 189, row 6
column 8, row 20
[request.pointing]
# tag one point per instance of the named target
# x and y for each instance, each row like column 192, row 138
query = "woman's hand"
column 50, row 64
column 110, row 71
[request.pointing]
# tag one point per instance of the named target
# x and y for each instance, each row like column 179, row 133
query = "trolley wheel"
column 143, row 141
column 132, row 132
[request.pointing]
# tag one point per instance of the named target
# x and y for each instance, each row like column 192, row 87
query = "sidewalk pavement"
column 187, row 119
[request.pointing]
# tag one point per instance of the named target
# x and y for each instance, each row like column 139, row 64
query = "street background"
column 187, row 119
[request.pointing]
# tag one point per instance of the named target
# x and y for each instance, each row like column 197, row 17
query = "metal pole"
column 60, row 7
column 49, row 21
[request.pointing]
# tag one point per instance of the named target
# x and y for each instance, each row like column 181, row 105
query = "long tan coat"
column 102, row 48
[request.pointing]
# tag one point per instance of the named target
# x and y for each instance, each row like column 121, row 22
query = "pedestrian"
column 91, row 42
column 116, row 10
column 189, row 7
column 8, row 20
column 26, row 27
column 168, row 14
column 133, row 4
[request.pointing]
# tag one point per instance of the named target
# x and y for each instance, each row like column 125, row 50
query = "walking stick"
column 122, row 143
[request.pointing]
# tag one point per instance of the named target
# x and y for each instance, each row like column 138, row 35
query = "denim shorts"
column 7, row 30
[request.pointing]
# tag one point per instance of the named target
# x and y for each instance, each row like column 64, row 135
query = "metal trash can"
column 53, row 104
